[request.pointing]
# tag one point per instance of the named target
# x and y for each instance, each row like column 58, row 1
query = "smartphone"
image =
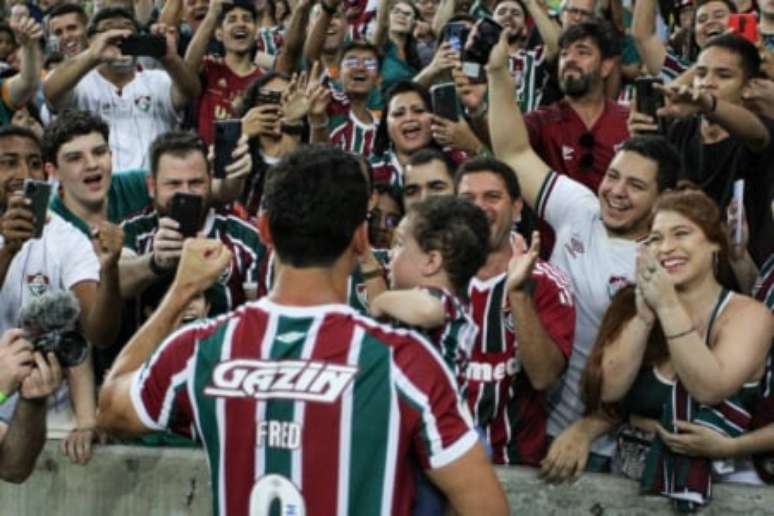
column 152, row 45
column 485, row 37
column 745, row 25
column 739, row 200
column 456, row 33
column 268, row 97
column 38, row 192
column 186, row 210
column 227, row 133
column 650, row 99
column 444, row 100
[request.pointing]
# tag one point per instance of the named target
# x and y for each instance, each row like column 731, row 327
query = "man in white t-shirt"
column 62, row 258
column 596, row 243
column 137, row 104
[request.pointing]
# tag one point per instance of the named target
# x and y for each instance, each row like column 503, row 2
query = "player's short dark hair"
column 748, row 55
column 658, row 149
column 67, row 8
column 8, row 131
column 178, row 144
column 459, row 230
column 238, row 4
column 107, row 13
column 491, row 165
column 600, row 31
column 359, row 44
column 67, row 126
column 315, row 198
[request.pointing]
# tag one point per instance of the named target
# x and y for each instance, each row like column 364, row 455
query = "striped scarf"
column 687, row 481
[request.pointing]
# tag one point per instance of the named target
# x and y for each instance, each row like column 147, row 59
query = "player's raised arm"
column 510, row 140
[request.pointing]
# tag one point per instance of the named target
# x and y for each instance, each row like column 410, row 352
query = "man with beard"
column 153, row 241
column 578, row 135
column 138, row 105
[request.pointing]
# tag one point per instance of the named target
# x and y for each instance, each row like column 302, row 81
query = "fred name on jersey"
column 280, row 379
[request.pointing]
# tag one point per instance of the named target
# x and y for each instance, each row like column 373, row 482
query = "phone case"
column 227, row 133
column 38, row 192
column 186, row 209
column 151, row 45
column 444, row 99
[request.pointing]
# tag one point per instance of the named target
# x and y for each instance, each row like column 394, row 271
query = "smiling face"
column 711, row 20
column 402, row 18
column 359, row 72
column 83, row 169
column 487, row 190
column 70, row 31
column 627, row 193
column 237, row 31
column 20, row 158
column 194, row 12
column 719, row 71
column 681, row 247
column 123, row 63
column 408, row 122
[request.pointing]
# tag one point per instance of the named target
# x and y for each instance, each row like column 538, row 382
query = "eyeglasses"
column 504, row 11
column 369, row 63
column 587, row 141
column 390, row 220
column 404, row 13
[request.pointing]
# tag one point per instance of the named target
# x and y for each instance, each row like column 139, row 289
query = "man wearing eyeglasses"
column 577, row 11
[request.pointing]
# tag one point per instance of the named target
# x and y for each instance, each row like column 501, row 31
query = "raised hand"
column 27, row 31
column 295, row 101
column 108, row 240
column 521, row 265
column 201, row 264
column 17, row 223
column 684, row 101
column 167, row 243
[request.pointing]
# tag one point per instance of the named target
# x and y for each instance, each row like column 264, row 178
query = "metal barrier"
column 139, row 481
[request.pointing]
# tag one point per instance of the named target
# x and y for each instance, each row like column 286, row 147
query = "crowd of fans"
column 597, row 275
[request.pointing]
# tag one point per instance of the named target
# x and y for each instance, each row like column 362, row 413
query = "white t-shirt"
column 598, row 267
column 136, row 113
column 60, row 259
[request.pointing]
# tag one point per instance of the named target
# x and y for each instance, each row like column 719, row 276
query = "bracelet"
column 3, row 397
column 681, row 334
column 375, row 273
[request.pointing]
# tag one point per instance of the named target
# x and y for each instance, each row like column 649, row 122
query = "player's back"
column 319, row 408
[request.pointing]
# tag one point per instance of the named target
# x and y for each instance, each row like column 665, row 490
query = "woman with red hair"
column 680, row 351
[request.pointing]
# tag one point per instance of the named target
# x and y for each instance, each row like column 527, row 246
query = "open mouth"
column 672, row 264
column 713, row 31
column 411, row 130
column 617, row 207
column 93, row 181
column 359, row 77
column 240, row 35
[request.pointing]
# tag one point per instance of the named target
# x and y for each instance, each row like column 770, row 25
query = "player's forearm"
column 412, row 307
column 542, row 360
column 23, row 441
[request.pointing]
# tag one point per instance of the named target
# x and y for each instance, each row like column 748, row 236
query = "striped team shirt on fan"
column 270, row 40
column 529, row 71
column 455, row 338
column 501, row 398
column 315, row 408
column 239, row 237
column 345, row 130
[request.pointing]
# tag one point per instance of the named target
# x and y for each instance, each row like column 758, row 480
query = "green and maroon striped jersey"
column 349, row 133
column 512, row 414
column 306, row 410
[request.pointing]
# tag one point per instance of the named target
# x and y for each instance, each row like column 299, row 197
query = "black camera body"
column 69, row 346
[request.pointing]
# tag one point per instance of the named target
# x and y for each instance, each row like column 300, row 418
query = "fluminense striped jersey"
column 239, row 237
column 357, row 291
column 457, row 336
column 270, row 40
column 763, row 290
column 501, row 399
column 529, row 72
column 349, row 133
column 312, row 410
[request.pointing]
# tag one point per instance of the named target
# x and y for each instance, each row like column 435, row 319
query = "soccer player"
column 296, row 397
